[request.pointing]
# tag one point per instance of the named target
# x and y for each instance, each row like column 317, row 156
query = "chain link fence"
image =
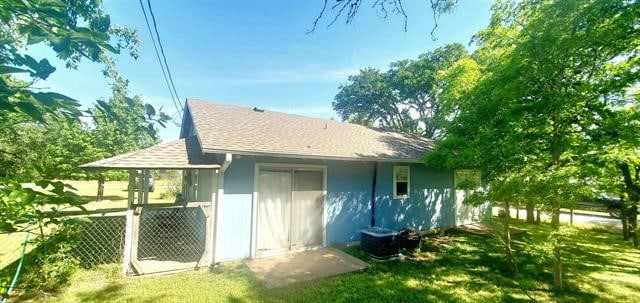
column 164, row 239
column 172, row 234
column 101, row 240
column 171, row 238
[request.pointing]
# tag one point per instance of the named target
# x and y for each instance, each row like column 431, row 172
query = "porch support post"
column 219, row 197
column 145, row 173
column 129, row 224
column 211, row 219
column 140, row 189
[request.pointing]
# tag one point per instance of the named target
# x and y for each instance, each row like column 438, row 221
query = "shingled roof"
column 177, row 154
column 224, row 128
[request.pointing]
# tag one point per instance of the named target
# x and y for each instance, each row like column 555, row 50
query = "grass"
column 455, row 266
column 115, row 193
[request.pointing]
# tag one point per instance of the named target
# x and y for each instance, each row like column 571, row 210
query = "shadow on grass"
column 112, row 291
column 467, row 267
column 454, row 266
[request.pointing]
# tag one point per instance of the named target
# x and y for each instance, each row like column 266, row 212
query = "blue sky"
column 257, row 53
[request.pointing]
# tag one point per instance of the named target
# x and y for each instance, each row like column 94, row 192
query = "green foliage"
column 73, row 29
column 32, row 151
column 553, row 90
column 40, row 134
column 173, row 186
column 406, row 98
column 53, row 262
column 49, row 266
column 22, row 207
column 540, row 97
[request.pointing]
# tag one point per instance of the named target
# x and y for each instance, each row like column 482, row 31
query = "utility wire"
column 155, row 26
column 164, row 73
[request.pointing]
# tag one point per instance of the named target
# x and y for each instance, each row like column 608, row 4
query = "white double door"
column 290, row 210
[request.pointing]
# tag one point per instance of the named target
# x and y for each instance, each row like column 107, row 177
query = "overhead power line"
column 164, row 57
column 174, row 96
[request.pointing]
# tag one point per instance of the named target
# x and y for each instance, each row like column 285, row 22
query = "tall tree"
column 406, row 98
column 616, row 136
column 548, row 71
column 122, row 123
column 74, row 30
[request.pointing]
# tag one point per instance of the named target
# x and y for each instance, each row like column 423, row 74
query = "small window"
column 400, row 182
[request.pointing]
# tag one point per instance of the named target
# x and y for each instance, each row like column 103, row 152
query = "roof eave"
column 190, row 166
column 302, row 156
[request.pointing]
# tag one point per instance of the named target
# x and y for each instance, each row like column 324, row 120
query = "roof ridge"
column 377, row 129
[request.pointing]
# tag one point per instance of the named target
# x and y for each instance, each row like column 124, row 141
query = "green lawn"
column 115, row 193
column 459, row 267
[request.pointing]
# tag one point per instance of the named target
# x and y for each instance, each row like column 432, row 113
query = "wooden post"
column 129, row 224
column 145, row 173
column 140, row 189
column 211, row 220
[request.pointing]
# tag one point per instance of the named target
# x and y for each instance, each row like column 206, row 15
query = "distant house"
column 281, row 182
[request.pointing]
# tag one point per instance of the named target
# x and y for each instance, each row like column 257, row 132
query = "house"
column 280, row 182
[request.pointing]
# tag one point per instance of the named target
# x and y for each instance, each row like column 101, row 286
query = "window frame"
column 395, row 181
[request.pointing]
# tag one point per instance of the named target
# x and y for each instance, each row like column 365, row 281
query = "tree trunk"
column 511, row 260
column 530, row 215
column 571, row 216
column 633, row 224
column 624, row 218
column 557, row 256
column 538, row 216
column 633, row 191
column 100, row 194
column 555, row 218
column 625, row 226
column 518, row 211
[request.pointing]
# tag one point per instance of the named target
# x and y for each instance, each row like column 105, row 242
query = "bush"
column 409, row 239
column 54, row 262
column 49, row 266
column 173, row 186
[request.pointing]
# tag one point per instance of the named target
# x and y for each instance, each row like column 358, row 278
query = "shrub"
column 409, row 239
column 49, row 266
column 54, row 262
column 173, row 186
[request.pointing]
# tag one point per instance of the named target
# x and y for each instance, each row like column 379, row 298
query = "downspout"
column 373, row 194
column 228, row 157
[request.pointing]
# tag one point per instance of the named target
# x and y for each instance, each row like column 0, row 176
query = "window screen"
column 400, row 182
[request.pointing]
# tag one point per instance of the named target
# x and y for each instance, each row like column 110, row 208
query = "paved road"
column 578, row 218
column 590, row 219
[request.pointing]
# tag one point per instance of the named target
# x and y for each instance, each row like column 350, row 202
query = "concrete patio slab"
column 304, row 266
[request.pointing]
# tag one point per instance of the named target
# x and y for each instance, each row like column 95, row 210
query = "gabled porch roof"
column 184, row 153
